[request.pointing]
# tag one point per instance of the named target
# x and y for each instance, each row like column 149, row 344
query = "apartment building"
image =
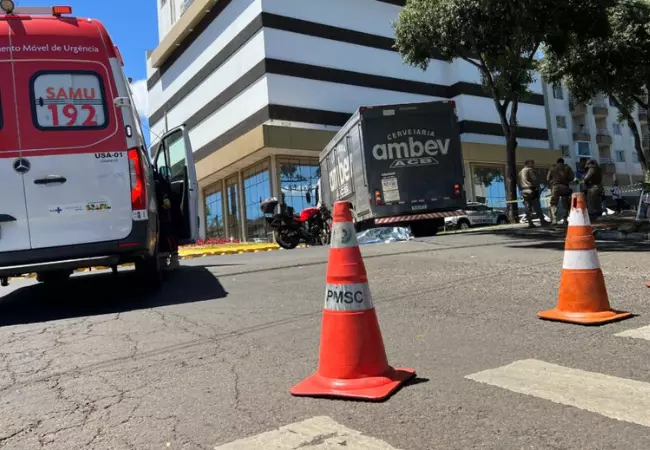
column 594, row 131
column 264, row 84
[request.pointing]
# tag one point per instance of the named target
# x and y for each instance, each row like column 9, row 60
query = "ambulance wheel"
column 149, row 270
column 54, row 277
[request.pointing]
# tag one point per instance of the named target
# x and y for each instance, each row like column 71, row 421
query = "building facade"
column 595, row 131
column 263, row 85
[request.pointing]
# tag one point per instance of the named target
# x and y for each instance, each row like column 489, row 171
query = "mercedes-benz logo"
column 21, row 165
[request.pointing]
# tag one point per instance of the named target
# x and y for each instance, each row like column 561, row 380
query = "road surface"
column 208, row 363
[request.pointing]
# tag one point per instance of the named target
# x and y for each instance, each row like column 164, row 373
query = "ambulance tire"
column 54, row 278
column 149, row 270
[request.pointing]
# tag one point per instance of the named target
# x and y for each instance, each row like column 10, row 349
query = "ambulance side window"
column 68, row 100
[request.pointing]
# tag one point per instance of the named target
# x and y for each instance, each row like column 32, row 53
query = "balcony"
column 186, row 4
column 581, row 134
column 603, row 137
column 600, row 109
column 607, row 164
column 643, row 115
column 577, row 109
column 645, row 142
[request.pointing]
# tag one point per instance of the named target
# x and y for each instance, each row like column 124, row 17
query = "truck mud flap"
column 413, row 217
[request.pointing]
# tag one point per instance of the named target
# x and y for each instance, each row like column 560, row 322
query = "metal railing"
column 606, row 160
column 602, row 132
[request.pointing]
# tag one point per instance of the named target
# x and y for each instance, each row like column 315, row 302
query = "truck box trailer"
column 397, row 165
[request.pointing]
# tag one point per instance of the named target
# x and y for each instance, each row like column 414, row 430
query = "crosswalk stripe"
column 637, row 333
column 317, row 433
column 613, row 397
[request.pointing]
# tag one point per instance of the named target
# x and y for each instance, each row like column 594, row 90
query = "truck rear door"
column 14, row 230
column 78, row 189
column 413, row 158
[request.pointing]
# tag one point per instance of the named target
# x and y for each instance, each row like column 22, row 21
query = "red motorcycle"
column 312, row 225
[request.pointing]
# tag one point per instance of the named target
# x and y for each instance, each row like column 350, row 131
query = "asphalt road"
column 211, row 359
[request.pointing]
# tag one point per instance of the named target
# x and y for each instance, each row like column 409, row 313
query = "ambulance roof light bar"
column 9, row 7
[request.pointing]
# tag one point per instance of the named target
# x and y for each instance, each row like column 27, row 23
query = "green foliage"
column 617, row 64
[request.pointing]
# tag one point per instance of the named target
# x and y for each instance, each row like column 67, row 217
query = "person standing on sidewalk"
column 559, row 177
column 529, row 187
column 593, row 183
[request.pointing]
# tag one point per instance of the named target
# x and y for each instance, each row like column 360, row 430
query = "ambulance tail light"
column 378, row 200
column 138, row 190
column 59, row 10
column 458, row 191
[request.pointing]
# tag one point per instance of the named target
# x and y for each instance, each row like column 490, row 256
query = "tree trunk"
column 639, row 148
column 511, row 177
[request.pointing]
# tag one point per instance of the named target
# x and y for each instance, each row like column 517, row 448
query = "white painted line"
column 637, row 333
column 616, row 398
column 318, row 433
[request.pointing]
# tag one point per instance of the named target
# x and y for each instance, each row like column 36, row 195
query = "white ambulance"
column 76, row 180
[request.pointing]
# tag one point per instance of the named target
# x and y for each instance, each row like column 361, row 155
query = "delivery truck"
column 398, row 165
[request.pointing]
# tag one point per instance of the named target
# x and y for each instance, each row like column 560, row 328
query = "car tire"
column 463, row 225
column 502, row 220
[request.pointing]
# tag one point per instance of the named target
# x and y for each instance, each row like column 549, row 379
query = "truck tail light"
column 138, row 189
column 458, row 192
column 378, row 201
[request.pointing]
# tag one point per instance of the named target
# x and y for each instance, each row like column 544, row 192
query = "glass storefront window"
column 489, row 185
column 297, row 177
column 257, row 187
column 232, row 200
column 215, row 227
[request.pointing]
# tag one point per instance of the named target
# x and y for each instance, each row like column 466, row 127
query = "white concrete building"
column 594, row 131
column 264, row 84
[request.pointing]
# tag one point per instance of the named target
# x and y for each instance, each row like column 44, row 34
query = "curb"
column 619, row 236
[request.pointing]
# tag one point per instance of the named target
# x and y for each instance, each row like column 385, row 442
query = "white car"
column 476, row 215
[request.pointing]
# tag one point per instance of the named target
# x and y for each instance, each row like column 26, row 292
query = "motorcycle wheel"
column 325, row 237
column 285, row 241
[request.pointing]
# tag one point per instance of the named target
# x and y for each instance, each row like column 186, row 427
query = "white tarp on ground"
column 384, row 235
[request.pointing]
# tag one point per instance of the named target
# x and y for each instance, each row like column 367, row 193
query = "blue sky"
column 133, row 27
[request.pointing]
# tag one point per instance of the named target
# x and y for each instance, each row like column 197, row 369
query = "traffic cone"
column 353, row 361
column 583, row 296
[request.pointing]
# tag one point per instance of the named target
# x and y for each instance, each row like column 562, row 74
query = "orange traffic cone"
column 583, row 296
column 353, row 361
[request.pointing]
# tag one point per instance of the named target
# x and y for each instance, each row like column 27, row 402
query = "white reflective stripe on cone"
column 579, row 217
column 581, row 260
column 348, row 297
column 343, row 235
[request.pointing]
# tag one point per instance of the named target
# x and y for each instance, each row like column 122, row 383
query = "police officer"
column 593, row 184
column 559, row 177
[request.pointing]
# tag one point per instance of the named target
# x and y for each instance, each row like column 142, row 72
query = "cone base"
column 368, row 388
column 583, row 318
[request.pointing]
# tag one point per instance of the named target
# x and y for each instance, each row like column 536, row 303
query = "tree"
column 501, row 38
column 617, row 64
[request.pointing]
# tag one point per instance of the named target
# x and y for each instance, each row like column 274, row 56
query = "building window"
column 214, row 224
column 489, row 185
column 232, row 209
column 557, row 92
column 297, row 177
column 566, row 151
column 611, row 102
column 620, row 155
column 583, row 149
column 257, row 187
column 617, row 128
column 637, row 157
column 561, row 121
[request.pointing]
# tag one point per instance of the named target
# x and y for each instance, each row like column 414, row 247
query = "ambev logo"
column 413, row 152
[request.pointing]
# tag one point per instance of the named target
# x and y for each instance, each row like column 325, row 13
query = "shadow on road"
column 607, row 246
column 105, row 293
